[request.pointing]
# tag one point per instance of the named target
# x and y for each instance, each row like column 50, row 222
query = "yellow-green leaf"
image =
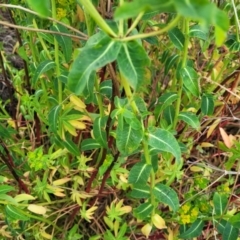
column 37, row 209
column 158, row 222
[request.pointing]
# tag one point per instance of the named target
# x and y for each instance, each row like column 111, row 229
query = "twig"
column 49, row 18
column 40, row 30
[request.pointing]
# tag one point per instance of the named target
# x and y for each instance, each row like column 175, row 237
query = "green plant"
column 123, row 115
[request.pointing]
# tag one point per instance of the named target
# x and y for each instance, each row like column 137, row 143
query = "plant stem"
column 121, row 23
column 56, row 55
column 97, row 17
column 41, row 41
column 135, row 23
column 145, row 35
column 184, row 61
column 152, row 174
column 129, row 93
column 99, row 98
column 236, row 20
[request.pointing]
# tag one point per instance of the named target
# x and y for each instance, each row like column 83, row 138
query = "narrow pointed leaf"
column 166, row 195
column 170, row 62
column 8, row 199
column 198, row 32
column 15, row 213
column 139, row 173
column 89, row 60
column 169, row 114
column 99, row 131
column 128, row 139
column 164, row 141
column 140, row 191
column 71, row 146
column 190, row 80
column 64, row 42
column 53, row 118
column 167, row 99
column 143, row 210
column 220, row 202
column 43, row 67
column 177, row 38
column 194, row 231
column 189, row 118
column 5, row 189
column 207, row 104
column 89, row 144
column 132, row 61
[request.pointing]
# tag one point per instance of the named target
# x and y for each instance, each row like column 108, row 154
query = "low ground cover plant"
column 123, row 122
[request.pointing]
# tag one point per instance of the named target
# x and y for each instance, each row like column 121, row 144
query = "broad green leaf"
column 132, row 62
column 194, row 231
column 133, row 8
column 235, row 220
column 99, row 131
column 15, row 213
column 43, row 67
column 220, row 225
column 198, row 32
column 140, row 191
column 230, row 232
column 189, row 118
column 207, row 104
column 169, row 114
column 164, row 141
column 71, row 146
column 128, row 139
column 90, row 59
column 190, row 80
column 166, row 195
column 143, row 210
column 220, row 202
column 42, row 7
column 53, row 118
column 139, row 173
column 177, row 38
column 204, row 11
column 134, row 123
column 5, row 189
column 64, row 42
column 220, row 36
column 89, row 144
column 170, row 61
